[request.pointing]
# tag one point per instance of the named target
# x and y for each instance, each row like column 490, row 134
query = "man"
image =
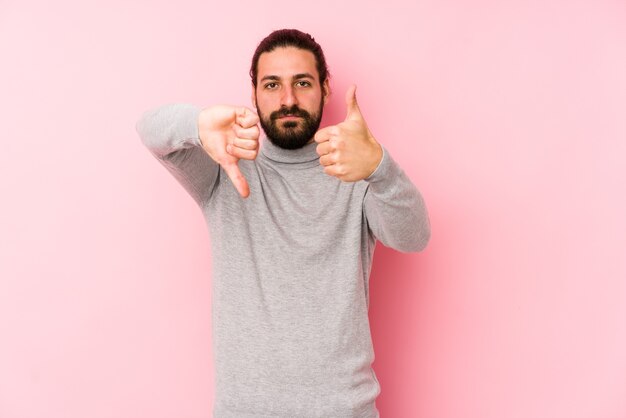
column 293, row 227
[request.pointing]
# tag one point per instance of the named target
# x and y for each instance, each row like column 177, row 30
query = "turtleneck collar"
column 306, row 154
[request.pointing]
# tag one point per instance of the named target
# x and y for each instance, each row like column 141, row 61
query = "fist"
column 227, row 134
column 348, row 150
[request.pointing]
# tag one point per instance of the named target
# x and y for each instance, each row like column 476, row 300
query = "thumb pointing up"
column 353, row 111
column 348, row 150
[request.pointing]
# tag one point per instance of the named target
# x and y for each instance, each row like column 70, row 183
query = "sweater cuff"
column 386, row 171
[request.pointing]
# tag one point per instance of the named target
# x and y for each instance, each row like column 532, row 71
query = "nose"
column 288, row 97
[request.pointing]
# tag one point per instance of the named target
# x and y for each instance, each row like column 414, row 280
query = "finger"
column 247, row 133
column 239, row 181
column 327, row 159
column 323, row 148
column 325, row 134
column 246, row 118
column 333, row 170
column 246, row 154
column 353, row 110
column 245, row 143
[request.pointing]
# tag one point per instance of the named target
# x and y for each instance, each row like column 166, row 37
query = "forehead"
column 284, row 62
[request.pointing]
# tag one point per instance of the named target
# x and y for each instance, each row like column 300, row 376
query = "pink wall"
column 509, row 116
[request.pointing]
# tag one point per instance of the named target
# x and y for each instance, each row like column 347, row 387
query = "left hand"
column 348, row 150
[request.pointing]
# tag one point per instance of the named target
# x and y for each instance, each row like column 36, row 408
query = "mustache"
column 289, row 111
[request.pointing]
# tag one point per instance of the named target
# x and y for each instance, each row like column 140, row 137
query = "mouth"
column 289, row 117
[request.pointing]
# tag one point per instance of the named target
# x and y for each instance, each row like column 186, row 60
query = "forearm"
column 394, row 208
column 169, row 128
column 170, row 133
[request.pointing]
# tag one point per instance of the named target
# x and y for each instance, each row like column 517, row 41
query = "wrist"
column 380, row 168
column 377, row 157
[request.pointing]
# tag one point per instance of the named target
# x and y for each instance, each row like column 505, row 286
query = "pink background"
column 508, row 115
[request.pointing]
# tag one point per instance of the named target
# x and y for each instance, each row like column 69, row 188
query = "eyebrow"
column 295, row 77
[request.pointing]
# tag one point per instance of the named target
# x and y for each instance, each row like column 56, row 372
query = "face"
column 288, row 96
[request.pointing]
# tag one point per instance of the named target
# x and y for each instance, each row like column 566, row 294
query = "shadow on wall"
column 398, row 292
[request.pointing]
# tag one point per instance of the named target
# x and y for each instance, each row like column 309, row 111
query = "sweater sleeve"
column 170, row 133
column 394, row 208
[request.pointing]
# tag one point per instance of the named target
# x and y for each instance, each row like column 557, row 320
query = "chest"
column 294, row 208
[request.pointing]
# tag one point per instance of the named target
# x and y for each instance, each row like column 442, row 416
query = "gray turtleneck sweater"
column 291, row 266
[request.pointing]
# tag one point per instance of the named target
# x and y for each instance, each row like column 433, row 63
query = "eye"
column 303, row 83
column 271, row 86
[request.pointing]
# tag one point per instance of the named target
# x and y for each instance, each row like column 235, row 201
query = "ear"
column 253, row 95
column 326, row 91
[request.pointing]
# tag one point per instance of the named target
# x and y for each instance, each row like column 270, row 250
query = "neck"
column 301, row 155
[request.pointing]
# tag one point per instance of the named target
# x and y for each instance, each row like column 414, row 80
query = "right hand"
column 228, row 134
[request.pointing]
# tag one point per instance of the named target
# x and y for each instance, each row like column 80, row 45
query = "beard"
column 292, row 134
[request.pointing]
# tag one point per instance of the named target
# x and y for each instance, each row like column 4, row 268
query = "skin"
column 348, row 150
column 288, row 76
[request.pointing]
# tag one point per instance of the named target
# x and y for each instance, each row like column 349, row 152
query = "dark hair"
column 290, row 37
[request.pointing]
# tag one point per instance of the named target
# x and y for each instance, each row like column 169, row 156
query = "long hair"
column 294, row 38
